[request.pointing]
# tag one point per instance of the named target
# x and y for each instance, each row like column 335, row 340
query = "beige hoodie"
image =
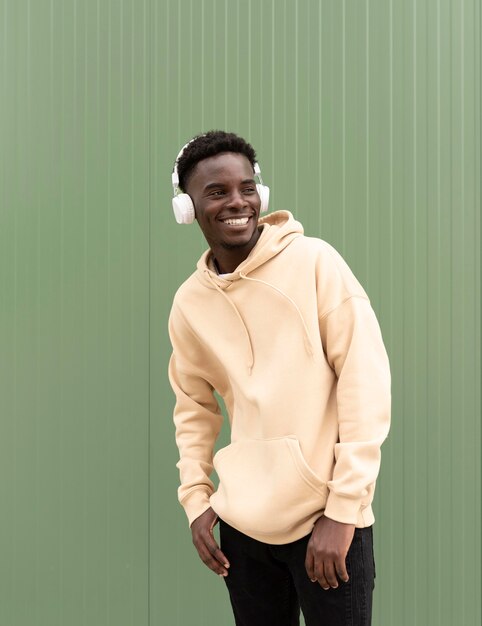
column 291, row 343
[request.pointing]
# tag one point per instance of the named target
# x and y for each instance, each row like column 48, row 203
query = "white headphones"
column 183, row 206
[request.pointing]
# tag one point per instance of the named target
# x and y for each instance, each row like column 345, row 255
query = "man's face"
column 223, row 189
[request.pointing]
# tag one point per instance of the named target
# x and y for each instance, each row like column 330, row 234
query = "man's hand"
column 203, row 539
column 327, row 550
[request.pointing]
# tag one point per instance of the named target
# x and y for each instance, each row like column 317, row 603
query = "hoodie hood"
column 278, row 231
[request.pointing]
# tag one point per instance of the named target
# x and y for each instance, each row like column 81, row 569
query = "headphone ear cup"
column 183, row 208
column 263, row 193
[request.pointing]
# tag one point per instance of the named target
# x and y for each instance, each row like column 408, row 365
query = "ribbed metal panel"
column 74, row 313
column 366, row 118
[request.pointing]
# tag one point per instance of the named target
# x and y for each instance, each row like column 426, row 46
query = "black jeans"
column 268, row 583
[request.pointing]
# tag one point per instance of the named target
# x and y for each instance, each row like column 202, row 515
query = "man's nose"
column 237, row 200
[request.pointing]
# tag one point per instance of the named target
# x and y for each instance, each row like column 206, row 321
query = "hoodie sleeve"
column 354, row 348
column 197, row 418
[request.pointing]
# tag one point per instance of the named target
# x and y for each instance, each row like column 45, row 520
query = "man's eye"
column 218, row 192
column 249, row 190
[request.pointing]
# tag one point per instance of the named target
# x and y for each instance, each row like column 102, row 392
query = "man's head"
column 208, row 145
column 216, row 171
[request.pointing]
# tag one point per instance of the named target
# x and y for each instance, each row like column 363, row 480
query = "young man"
column 279, row 326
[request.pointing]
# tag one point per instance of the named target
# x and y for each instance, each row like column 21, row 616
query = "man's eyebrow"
column 212, row 185
column 243, row 182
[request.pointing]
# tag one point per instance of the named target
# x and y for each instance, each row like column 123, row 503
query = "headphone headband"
column 175, row 174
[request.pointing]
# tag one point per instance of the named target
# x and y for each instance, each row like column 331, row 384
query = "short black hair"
column 207, row 145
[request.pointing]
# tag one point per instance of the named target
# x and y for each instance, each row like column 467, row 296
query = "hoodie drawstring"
column 250, row 345
column 308, row 343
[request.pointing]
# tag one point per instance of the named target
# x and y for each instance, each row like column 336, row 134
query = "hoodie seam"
column 338, row 259
column 202, row 345
column 353, row 295
column 189, row 328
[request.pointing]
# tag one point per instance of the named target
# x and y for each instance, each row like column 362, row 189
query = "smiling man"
column 231, row 229
column 279, row 326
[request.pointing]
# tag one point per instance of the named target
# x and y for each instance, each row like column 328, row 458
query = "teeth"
column 238, row 221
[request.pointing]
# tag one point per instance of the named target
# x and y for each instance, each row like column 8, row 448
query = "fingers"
column 315, row 567
column 325, row 570
column 217, row 555
column 329, row 576
column 341, row 570
column 334, row 571
column 211, row 554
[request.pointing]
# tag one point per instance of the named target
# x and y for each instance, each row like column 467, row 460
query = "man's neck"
column 228, row 259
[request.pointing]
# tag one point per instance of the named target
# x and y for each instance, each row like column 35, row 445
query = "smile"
column 238, row 221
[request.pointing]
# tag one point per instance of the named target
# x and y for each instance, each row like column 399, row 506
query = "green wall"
column 366, row 119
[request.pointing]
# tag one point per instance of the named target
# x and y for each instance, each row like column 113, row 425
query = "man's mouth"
column 236, row 221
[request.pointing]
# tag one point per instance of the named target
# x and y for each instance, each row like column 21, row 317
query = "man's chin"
column 231, row 245
column 241, row 242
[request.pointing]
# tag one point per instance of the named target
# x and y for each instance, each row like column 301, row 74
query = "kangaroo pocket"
column 266, row 487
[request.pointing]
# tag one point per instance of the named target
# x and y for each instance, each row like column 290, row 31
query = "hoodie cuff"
column 343, row 509
column 195, row 504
